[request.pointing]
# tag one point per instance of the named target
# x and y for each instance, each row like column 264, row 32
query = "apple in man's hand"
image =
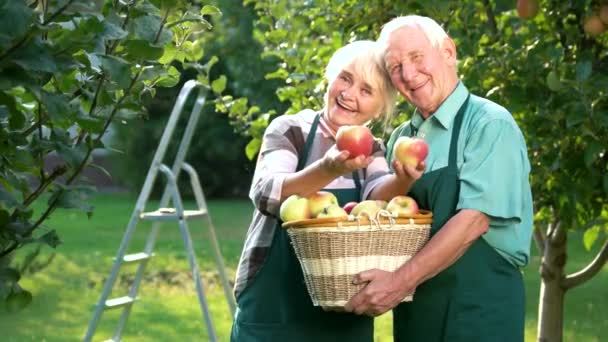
column 357, row 140
column 402, row 205
column 319, row 201
column 410, row 151
column 294, row 208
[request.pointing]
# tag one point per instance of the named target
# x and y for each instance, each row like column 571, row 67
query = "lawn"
column 66, row 291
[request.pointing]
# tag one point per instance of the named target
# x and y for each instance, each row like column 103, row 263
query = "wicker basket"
column 332, row 250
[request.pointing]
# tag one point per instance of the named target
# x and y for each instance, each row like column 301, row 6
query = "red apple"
column 593, row 25
column 358, row 140
column 402, row 205
column 319, row 201
column 410, row 151
column 527, row 9
column 294, row 208
column 348, row 207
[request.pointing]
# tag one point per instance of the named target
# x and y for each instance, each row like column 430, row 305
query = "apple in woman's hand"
column 357, row 140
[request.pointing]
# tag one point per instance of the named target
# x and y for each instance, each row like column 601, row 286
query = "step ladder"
column 177, row 213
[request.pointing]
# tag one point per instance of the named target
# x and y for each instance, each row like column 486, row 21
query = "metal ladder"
column 178, row 214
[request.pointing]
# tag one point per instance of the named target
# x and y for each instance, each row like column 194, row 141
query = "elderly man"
column 467, row 282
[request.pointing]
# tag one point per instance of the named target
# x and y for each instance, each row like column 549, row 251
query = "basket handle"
column 375, row 220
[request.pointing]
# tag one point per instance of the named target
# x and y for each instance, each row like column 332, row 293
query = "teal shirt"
column 493, row 167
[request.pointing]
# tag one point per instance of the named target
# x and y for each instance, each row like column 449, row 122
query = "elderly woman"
column 298, row 156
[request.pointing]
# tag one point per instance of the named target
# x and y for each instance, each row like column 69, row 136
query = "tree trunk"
column 551, row 303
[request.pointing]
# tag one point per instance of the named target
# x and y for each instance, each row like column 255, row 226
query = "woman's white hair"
column 431, row 29
column 364, row 58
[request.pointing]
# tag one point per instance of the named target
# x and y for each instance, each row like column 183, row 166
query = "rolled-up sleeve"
column 493, row 169
column 278, row 157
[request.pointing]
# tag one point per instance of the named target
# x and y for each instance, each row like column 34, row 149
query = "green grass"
column 66, row 291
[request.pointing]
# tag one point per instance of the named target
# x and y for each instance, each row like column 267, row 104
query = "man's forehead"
column 405, row 40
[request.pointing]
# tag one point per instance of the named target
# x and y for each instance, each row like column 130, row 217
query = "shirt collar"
column 446, row 113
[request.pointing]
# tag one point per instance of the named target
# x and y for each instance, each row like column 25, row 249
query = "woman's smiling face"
column 352, row 100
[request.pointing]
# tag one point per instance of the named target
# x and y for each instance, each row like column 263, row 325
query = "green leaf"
column 4, row 218
column 18, row 300
column 553, row 81
column 22, row 160
column 91, row 123
column 141, row 49
column 252, row 148
column 74, row 197
column 16, row 120
column 219, row 84
column 590, row 236
column 606, row 182
column 35, row 56
column 57, row 106
column 15, row 19
column 168, row 55
column 170, row 79
column 50, row 238
column 194, row 50
column 9, row 275
column 146, row 27
column 72, row 155
column 583, row 70
column 210, row 10
column 112, row 31
column 592, row 152
column 117, row 70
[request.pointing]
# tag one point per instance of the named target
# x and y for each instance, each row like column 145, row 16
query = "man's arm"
column 386, row 289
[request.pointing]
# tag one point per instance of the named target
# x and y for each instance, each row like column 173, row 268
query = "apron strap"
column 303, row 157
column 455, row 133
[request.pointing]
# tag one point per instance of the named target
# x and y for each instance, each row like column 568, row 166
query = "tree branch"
column 491, row 18
column 58, row 12
column 588, row 272
column 539, row 239
column 45, row 183
column 162, row 25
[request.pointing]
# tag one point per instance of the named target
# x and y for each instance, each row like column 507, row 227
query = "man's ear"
column 448, row 50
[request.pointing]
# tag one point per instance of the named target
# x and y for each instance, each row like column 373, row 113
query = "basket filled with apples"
column 333, row 242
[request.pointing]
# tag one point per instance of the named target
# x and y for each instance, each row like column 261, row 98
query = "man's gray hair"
column 432, row 30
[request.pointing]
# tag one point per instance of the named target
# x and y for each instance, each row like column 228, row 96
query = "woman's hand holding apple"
column 339, row 163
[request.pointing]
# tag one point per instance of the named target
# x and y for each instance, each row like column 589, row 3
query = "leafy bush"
column 68, row 70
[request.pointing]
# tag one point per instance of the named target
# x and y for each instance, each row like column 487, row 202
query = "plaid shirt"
column 283, row 141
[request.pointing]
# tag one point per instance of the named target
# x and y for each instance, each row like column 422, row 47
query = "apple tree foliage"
column 68, row 70
column 547, row 70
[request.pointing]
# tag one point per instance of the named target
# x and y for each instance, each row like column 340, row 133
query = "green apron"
column 478, row 298
column 276, row 306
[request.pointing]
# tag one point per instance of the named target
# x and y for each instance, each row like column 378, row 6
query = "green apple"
column 402, row 205
column 294, row 208
column 319, row 201
column 333, row 210
column 369, row 207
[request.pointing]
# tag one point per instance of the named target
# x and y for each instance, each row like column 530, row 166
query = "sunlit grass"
column 168, row 310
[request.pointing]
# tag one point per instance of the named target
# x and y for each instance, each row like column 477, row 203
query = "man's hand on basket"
column 383, row 292
column 341, row 162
